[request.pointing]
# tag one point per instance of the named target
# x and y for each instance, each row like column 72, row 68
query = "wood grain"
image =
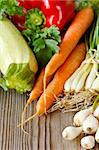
column 44, row 132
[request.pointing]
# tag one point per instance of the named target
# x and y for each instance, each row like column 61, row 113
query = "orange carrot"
column 55, row 87
column 37, row 90
column 78, row 27
column 38, row 87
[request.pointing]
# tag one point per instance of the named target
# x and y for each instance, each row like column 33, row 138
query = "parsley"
column 43, row 41
column 10, row 7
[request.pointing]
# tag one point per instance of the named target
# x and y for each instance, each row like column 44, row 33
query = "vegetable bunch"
column 87, row 75
column 87, row 121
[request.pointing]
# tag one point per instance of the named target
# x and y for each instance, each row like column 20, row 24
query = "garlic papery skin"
column 81, row 116
column 70, row 132
column 97, row 136
column 96, row 112
column 90, row 125
column 88, row 142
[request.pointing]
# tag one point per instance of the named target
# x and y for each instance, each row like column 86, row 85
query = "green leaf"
column 3, row 84
column 19, row 77
column 52, row 45
column 10, row 7
column 54, row 33
column 43, row 57
column 38, row 45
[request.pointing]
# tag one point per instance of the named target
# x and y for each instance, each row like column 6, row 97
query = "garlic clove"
column 88, row 142
column 97, row 136
column 90, row 125
column 96, row 112
column 70, row 132
column 81, row 116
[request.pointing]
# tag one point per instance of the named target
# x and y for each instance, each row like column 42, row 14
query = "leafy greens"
column 10, row 7
column 43, row 41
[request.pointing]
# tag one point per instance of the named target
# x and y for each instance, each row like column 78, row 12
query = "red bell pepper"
column 26, row 4
column 58, row 12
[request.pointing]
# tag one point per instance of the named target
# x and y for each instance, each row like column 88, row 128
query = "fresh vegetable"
column 96, row 112
column 91, row 76
column 44, row 43
column 64, row 72
column 86, row 77
column 90, row 125
column 97, row 135
column 95, row 85
column 71, row 38
column 17, row 64
column 27, row 5
column 81, row 82
column 38, row 87
column 70, row 133
column 88, row 142
column 10, row 7
column 81, row 116
column 58, row 12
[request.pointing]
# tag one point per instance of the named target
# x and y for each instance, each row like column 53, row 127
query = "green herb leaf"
column 52, row 45
column 43, row 57
column 43, row 41
column 53, row 33
column 10, row 7
column 38, row 45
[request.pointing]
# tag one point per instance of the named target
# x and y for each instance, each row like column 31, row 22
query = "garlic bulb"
column 88, row 142
column 90, row 125
column 70, row 133
column 96, row 112
column 97, row 136
column 81, row 116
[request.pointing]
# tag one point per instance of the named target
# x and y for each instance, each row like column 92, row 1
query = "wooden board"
column 44, row 132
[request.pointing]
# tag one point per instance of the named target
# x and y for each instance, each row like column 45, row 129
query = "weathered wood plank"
column 44, row 132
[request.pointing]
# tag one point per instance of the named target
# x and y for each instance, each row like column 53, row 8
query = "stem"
column 96, row 103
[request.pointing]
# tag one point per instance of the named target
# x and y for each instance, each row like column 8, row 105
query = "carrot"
column 55, row 87
column 37, row 90
column 78, row 27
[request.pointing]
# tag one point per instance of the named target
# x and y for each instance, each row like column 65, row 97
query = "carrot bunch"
column 62, row 65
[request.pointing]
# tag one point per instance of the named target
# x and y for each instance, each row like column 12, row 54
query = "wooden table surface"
column 44, row 132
